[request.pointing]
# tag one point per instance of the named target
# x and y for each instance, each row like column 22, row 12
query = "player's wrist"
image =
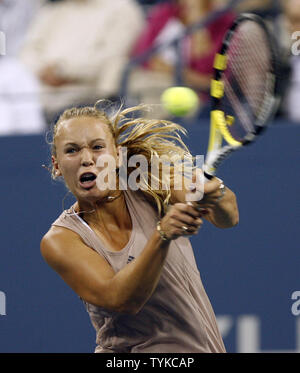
column 162, row 233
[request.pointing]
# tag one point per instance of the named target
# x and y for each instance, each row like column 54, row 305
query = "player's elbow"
column 128, row 307
column 235, row 220
column 233, row 211
column 113, row 303
column 230, row 219
column 228, row 223
column 123, row 302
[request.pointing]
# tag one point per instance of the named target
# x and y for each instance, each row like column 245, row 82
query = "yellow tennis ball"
column 180, row 101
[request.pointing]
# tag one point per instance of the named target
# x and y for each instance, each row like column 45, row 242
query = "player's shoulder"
column 56, row 242
column 57, row 232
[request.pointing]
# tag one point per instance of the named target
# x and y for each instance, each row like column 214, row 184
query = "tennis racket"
column 244, row 89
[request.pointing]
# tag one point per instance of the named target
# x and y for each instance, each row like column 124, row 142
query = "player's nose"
column 87, row 158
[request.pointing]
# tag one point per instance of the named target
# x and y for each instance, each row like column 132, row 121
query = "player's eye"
column 97, row 147
column 71, row 150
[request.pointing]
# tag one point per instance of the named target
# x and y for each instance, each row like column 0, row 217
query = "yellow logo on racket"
column 229, row 120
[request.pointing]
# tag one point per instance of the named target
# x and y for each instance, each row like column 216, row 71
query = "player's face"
column 80, row 142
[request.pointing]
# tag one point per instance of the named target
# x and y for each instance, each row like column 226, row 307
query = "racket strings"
column 251, row 62
column 246, row 78
column 259, row 62
column 238, row 107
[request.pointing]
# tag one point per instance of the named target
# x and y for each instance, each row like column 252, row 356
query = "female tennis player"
column 127, row 253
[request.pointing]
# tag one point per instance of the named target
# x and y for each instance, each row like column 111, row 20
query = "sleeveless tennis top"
column 178, row 317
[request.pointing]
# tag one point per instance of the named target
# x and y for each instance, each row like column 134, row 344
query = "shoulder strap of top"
column 142, row 210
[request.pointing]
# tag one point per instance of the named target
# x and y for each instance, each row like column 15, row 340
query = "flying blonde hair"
column 141, row 136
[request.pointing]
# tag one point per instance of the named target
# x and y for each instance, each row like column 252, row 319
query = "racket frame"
column 216, row 154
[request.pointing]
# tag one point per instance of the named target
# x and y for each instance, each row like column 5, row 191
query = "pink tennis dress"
column 177, row 318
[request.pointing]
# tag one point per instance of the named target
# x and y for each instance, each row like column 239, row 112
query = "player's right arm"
column 93, row 278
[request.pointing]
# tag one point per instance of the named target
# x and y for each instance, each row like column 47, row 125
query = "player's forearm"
column 225, row 214
column 135, row 283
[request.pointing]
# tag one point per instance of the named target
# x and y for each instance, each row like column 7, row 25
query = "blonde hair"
column 140, row 136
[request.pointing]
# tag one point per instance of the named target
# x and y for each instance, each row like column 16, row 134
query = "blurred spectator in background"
column 78, row 49
column 260, row 7
column 264, row 8
column 287, row 30
column 166, row 22
column 20, row 109
column 15, row 19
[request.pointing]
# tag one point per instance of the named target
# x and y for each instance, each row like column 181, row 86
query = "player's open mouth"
column 87, row 180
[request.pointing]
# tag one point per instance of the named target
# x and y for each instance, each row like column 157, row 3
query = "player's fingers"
column 209, row 203
column 189, row 221
column 212, row 185
column 194, row 229
column 183, row 218
column 188, row 209
column 174, row 227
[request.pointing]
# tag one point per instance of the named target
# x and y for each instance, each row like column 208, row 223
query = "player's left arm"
column 219, row 208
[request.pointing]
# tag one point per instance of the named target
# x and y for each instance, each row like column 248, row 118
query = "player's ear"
column 55, row 165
